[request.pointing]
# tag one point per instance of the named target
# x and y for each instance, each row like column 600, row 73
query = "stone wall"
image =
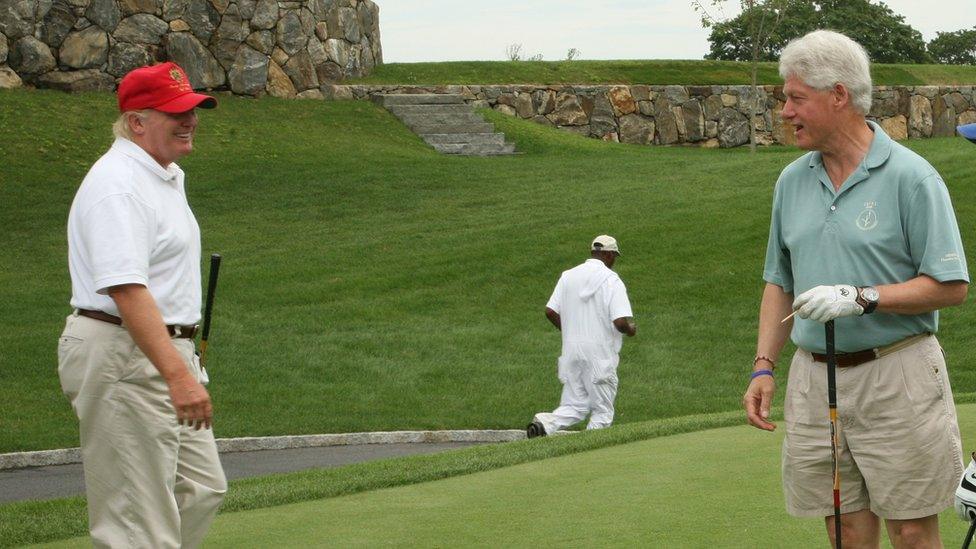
column 709, row 116
column 285, row 48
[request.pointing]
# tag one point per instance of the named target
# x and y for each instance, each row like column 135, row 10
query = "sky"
column 465, row 30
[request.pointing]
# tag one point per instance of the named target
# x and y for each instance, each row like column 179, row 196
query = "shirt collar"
column 878, row 152
column 877, row 155
column 140, row 155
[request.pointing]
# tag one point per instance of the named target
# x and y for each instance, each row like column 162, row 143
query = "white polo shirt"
column 588, row 298
column 130, row 223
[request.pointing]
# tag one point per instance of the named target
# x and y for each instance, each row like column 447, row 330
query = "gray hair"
column 824, row 58
column 121, row 126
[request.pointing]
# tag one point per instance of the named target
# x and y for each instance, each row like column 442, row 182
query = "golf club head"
column 968, row 131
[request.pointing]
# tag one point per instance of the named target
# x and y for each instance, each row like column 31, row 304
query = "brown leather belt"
column 180, row 332
column 846, row 360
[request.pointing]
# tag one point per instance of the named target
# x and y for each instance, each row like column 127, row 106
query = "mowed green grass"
column 713, row 488
column 647, row 71
column 369, row 283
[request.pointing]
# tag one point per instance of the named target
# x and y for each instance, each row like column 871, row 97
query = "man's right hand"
column 191, row 401
column 757, row 401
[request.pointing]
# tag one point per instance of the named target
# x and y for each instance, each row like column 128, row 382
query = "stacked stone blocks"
column 447, row 123
column 286, row 48
column 707, row 116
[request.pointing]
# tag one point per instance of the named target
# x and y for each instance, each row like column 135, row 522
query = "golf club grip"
column 211, row 288
column 831, row 364
column 969, row 534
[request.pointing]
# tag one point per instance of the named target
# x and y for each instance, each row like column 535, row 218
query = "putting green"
column 716, row 488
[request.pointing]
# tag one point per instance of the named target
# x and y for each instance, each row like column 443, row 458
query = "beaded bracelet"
column 758, row 373
column 772, row 363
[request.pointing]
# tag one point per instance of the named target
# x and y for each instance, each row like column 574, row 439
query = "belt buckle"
column 184, row 332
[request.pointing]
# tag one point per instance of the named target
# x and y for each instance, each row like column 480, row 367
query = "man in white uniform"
column 591, row 309
column 126, row 357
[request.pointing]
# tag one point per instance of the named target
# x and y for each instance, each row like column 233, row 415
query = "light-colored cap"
column 605, row 243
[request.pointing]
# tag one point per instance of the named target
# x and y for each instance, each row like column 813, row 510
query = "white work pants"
column 588, row 372
column 150, row 482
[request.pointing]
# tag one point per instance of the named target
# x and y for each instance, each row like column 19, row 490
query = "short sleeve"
column 777, row 269
column 556, row 299
column 116, row 232
column 619, row 302
column 933, row 234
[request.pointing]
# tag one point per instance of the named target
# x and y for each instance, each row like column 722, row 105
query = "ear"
column 841, row 95
column 136, row 123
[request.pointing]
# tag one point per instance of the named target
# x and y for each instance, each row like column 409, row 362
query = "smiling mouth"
column 184, row 136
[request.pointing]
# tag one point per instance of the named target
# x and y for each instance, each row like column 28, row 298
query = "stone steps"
column 389, row 99
column 452, row 138
column 446, row 123
column 474, row 149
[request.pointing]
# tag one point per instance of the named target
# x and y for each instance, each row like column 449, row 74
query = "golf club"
column 969, row 535
column 208, row 309
column 832, row 405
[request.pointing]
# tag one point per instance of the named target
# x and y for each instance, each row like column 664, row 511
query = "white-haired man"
column 126, row 356
column 590, row 307
column 862, row 231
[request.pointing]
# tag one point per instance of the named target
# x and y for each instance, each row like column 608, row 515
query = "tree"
column 954, row 48
column 760, row 21
column 882, row 32
column 513, row 52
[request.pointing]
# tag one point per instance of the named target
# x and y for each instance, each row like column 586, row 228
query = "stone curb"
column 17, row 460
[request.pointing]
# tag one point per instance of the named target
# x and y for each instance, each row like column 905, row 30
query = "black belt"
column 177, row 331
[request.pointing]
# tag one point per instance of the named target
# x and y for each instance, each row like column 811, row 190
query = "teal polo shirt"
column 890, row 222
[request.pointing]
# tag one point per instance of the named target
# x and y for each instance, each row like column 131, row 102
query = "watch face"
column 870, row 294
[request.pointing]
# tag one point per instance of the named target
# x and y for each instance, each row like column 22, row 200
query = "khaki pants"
column 150, row 482
column 899, row 449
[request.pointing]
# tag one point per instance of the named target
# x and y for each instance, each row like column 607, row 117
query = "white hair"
column 121, row 126
column 824, row 58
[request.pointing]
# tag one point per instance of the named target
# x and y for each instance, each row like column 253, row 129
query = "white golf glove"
column 966, row 493
column 825, row 303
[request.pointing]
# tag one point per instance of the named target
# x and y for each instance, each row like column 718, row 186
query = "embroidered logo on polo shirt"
column 868, row 218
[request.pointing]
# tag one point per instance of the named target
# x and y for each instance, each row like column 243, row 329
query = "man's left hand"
column 824, row 303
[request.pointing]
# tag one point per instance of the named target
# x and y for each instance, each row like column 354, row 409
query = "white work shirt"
column 588, row 298
column 130, row 223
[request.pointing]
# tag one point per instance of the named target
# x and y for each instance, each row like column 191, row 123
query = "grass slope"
column 715, row 488
column 657, row 72
column 369, row 283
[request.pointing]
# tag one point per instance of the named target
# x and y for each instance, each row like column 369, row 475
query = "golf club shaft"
column 969, row 535
column 208, row 309
column 832, row 405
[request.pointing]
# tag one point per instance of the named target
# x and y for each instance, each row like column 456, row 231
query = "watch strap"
column 867, row 304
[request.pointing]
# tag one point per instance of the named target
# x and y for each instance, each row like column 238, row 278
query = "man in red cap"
column 126, row 357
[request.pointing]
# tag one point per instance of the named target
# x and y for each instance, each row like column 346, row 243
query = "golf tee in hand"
column 824, row 303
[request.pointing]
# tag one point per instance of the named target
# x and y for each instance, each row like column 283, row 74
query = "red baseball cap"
column 163, row 87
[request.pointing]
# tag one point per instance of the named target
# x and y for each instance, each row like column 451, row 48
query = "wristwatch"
column 867, row 298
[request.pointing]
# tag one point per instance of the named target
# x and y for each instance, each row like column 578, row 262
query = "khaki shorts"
column 899, row 446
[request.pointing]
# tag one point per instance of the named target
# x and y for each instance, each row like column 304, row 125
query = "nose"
column 788, row 111
column 188, row 118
